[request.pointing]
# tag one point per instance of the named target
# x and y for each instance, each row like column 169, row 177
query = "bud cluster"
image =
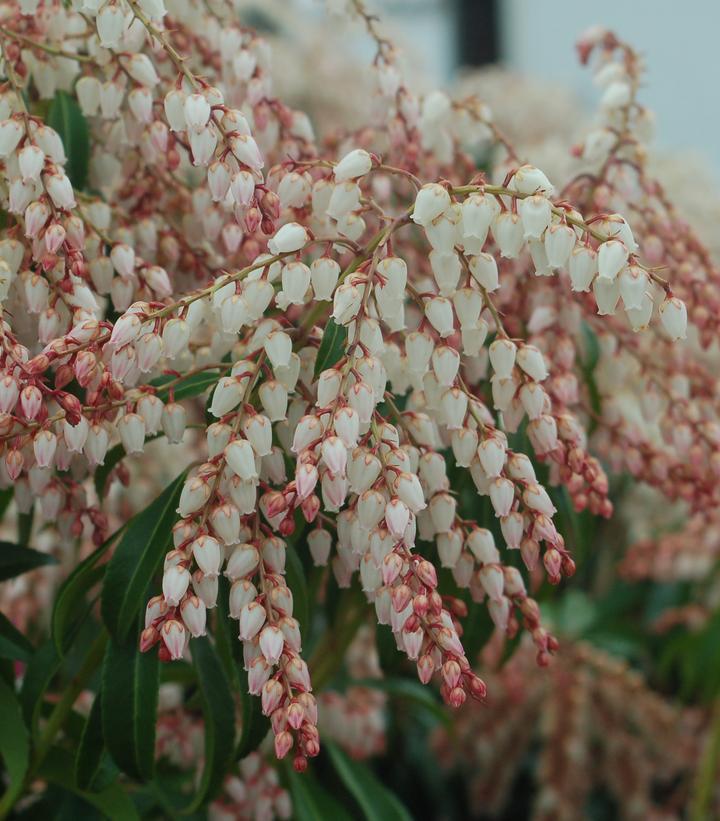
column 369, row 317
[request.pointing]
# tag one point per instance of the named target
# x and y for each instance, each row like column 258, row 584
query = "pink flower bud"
column 272, row 642
column 240, row 458
column 173, row 635
column 242, row 593
column 207, row 554
column 194, row 615
column 195, row 494
column 272, row 694
column 227, row 395
column 96, row 444
column 246, row 151
column 131, row 428
column 176, row 580
column 397, row 516
column 242, row 561
column 252, row 618
column 258, row 673
column 173, row 422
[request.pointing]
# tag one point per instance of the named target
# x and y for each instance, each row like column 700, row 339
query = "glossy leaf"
column 375, row 800
column 14, row 743
column 218, row 713
column 332, row 346
column 25, row 525
column 65, row 116
column 254, row 725
column 310, row 801
column 136, row 559
column 114, row 802
column 129, row 695
column 70, row 604
column 13, row 645
column 295, row 577
column 91, row 749
column 186, row 388
column 6, row 496
column 40, row 671
column 16, row 559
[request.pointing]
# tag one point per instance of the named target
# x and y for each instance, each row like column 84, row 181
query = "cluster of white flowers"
column 352, row 319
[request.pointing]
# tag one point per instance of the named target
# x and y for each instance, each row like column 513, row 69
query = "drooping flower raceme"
column 368, row 321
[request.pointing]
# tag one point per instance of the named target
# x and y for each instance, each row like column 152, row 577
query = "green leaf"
column 114, row 802
column 65, row 116
column 136, row 559
column 332, row 346
column 15, row 560
column 407, row 690
column 13, row 645
column 6, row 496
column 219, row 714
column 25, row 525
column 193, row 385
column 374, row 798
column 255, row 725
column 310, row 801
column 14, row 744
column 129, row 695
column 91, row 749
column 295, row 577
column 70, row 604
column 40, row 671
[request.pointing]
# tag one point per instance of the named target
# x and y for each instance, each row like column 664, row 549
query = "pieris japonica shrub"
column 376, row 365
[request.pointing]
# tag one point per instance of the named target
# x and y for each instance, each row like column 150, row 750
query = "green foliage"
column 130, row 681
column 91, row 753
column 376, row 802
column 16, row 560
column 311, row 802
column 14, row 744
column 13, row 645
column 65, row 116
column 136, row 559
column 332, row 346
column 218, row 713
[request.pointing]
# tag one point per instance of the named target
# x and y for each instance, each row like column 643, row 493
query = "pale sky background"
column 680, row 41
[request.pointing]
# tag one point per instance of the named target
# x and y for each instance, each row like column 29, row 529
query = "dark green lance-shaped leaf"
column 40, row 671
column 136, row 559
column 6, row 496
column 375, row 800
column 310, row 801
column 25, row 525
column 65, row 116
column 218, row 712
column 129, row 694
column 13, row 645
column 332, row 346
column 91, row 753
column 14, row 745
column 254, row 725
column 71, row 606
column 295, row 577
column 193, row 385
column 114, row 801
column 16, row 559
